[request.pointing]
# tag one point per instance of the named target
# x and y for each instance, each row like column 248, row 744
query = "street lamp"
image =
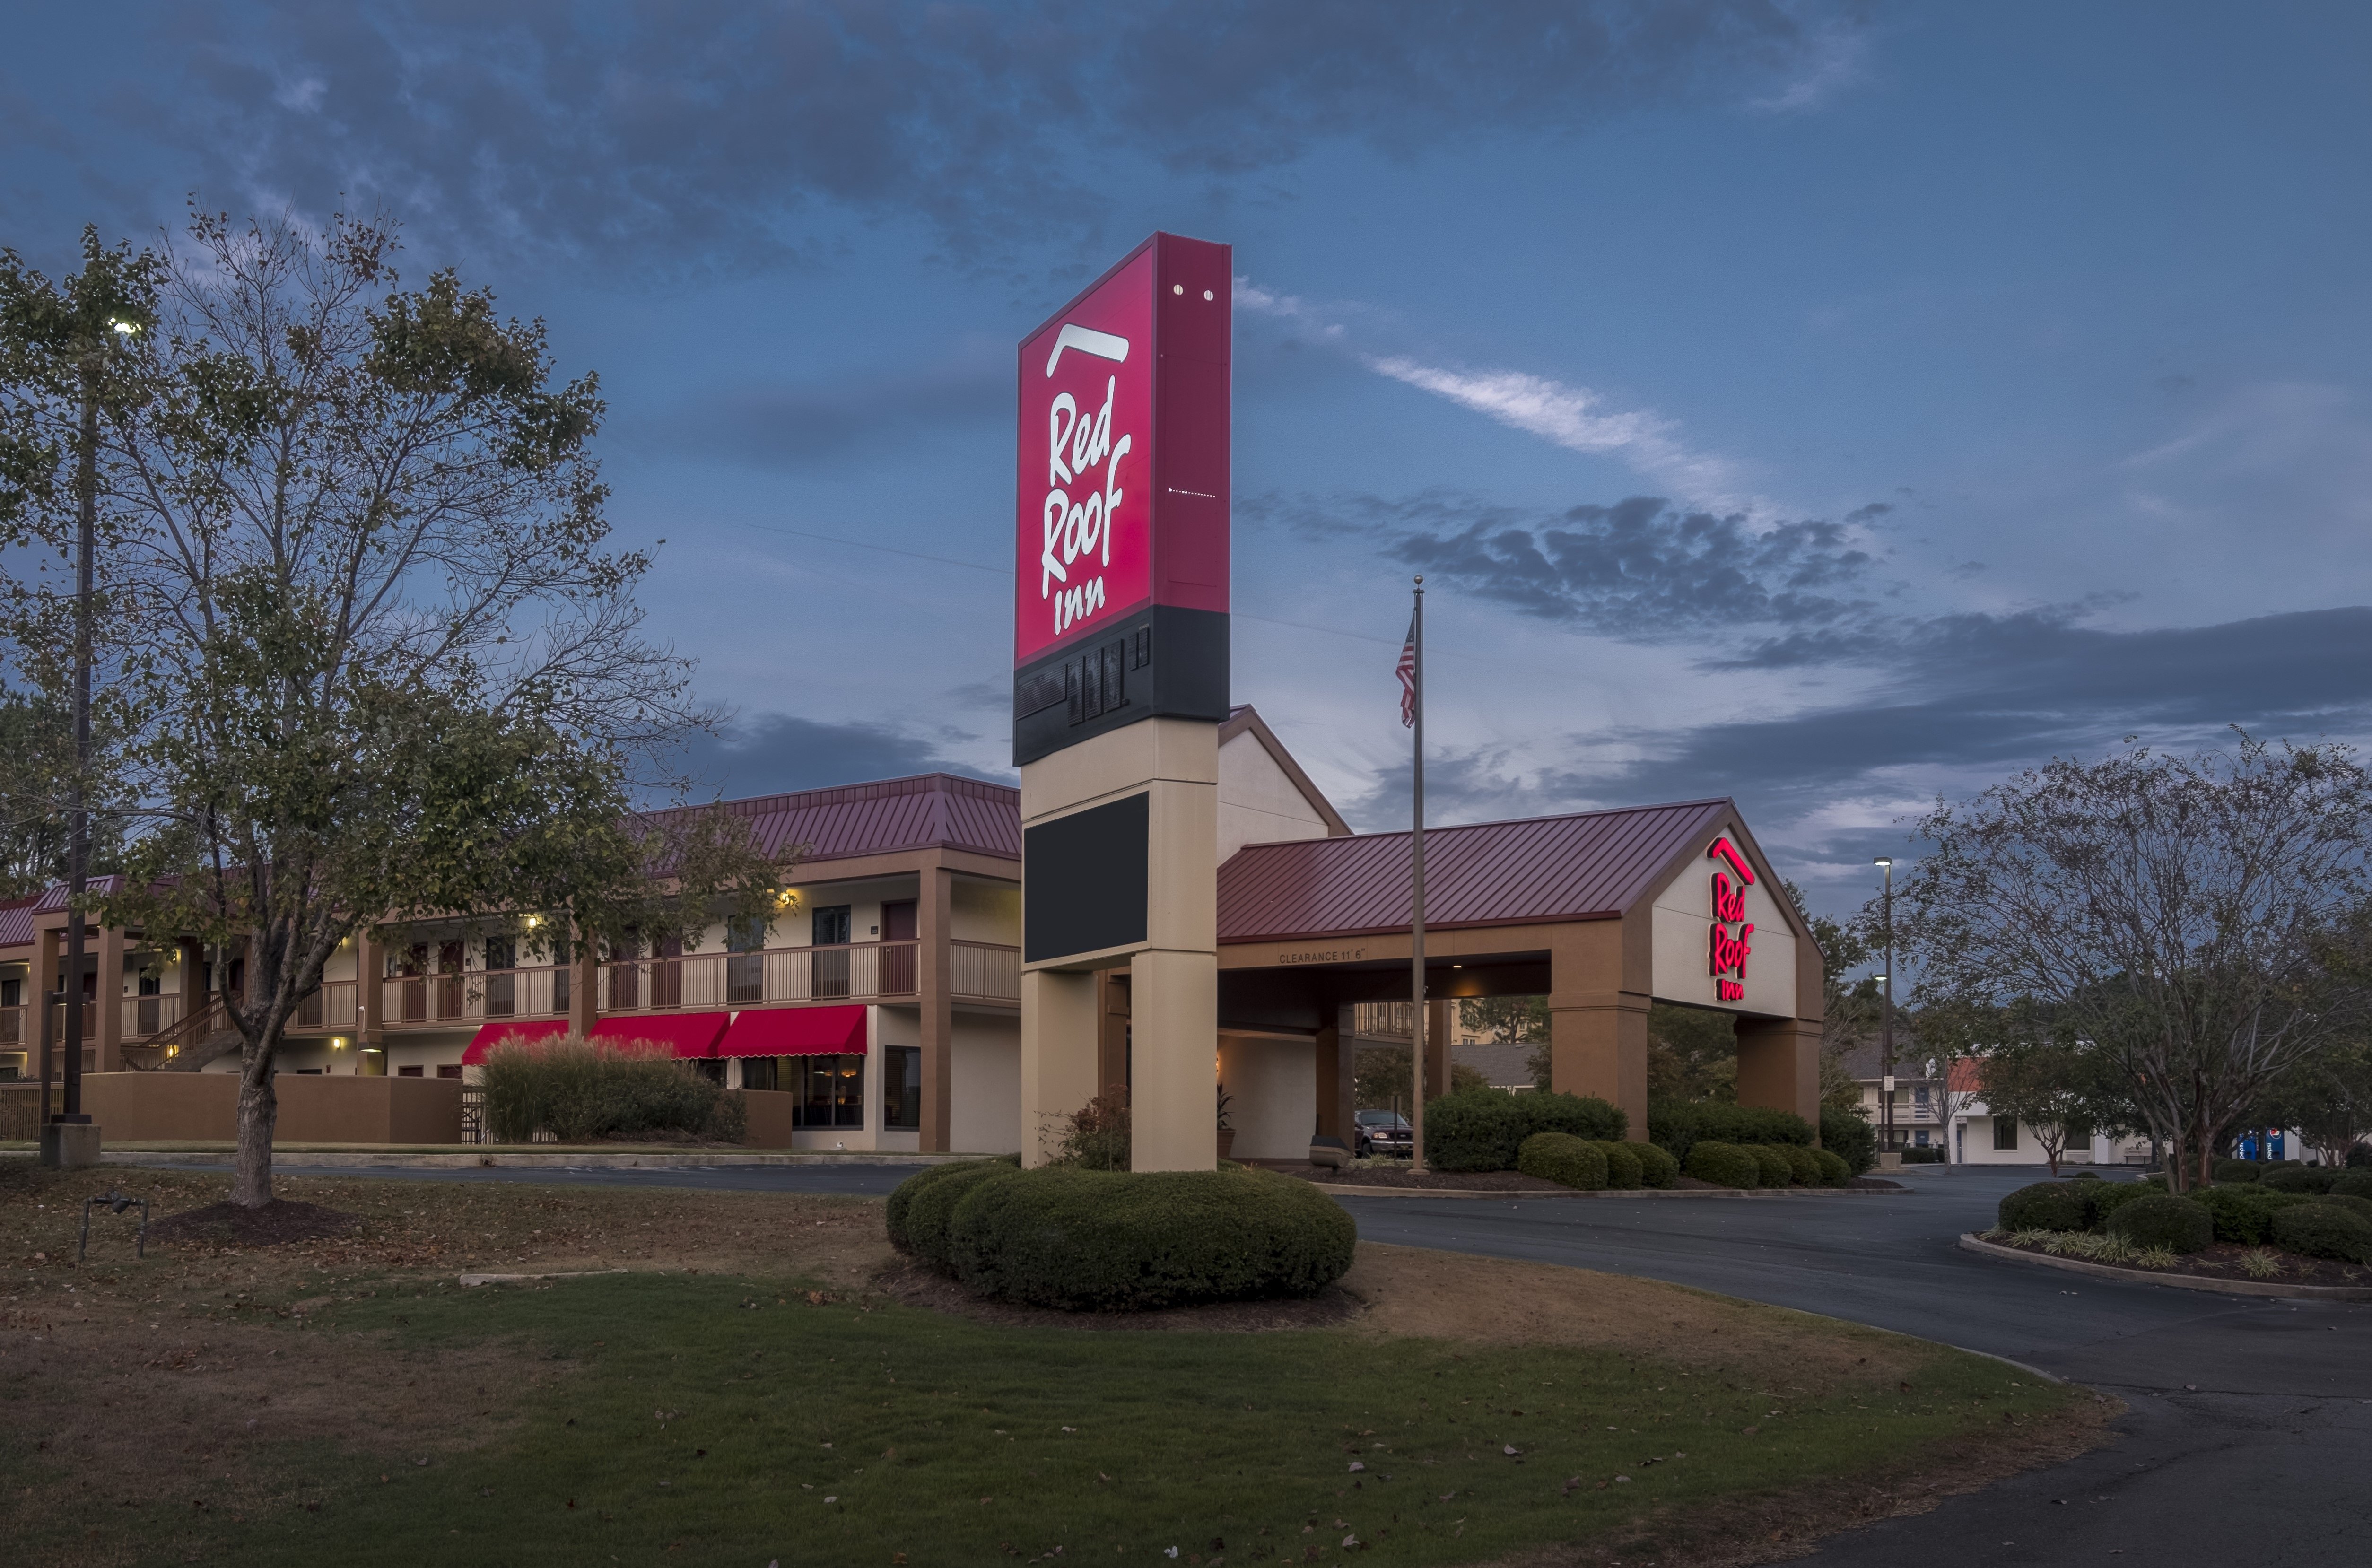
column 1886, row 1016
column 78, row 799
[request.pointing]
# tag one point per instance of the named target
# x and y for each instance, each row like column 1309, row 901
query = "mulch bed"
column 915, row 1286
column 281, row 1221
column 2222, row 1261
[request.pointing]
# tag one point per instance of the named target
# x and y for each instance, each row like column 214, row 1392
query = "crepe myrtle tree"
column 376, row 656
column 2327, row 1098
column 2197, row 921
column 2057, row 1090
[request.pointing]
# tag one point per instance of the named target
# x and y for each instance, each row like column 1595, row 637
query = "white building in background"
column 1941, row 1106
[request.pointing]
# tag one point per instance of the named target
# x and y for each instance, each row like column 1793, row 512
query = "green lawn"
column 712, row 1420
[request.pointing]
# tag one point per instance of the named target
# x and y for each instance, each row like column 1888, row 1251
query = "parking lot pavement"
column 2247, row 1435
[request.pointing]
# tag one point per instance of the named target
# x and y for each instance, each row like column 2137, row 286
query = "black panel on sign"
column 1085, row 881
column 1166, row 663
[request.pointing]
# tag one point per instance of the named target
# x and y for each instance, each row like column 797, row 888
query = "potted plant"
column 1226, row 1134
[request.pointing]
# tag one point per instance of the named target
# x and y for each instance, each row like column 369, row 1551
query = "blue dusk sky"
column 1828, row 405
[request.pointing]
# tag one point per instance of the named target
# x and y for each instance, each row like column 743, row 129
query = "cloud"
column 1579, row 420
column 1640, row 570
column 829, row 420
column 687, row 129
column 773, row 753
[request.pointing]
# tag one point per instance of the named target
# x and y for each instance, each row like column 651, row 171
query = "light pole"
column 77, row 795
column 1886, row 1017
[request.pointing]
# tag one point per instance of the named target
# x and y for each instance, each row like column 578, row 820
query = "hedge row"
column 2246, row 1214
column 1595, row 1165
column 1119, row 1241
column 1482, row 1128
column 1764, row 1165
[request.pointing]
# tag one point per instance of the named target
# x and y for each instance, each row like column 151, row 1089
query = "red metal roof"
column 1590, row 866
column 927, row 811
column 17, row 919
column 794, row 1031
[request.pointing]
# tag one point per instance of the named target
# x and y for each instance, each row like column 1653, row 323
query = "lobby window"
column 830, row 1091
column 901, row 1087
column 762, row 1072
column 2005, row 1132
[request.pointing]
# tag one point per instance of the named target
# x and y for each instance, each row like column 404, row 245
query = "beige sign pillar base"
column 69, row 1146
column 1173, row 961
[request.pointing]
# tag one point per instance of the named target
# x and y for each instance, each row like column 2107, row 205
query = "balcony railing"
column 855, row 971
column 15, row 1027
column 474, row 997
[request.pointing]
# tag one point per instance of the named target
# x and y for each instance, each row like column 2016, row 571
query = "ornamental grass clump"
column 2156, row 1220
column 1565, row 1159
column 1724, row 1164
column 578, row 1092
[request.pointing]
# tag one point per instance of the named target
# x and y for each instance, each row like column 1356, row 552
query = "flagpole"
column 1416, row 900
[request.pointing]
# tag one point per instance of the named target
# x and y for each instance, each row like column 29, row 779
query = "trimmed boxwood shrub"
column 1137, row 1241
column 2110, row 1196
column 2359, row 1156
column 1771, row 1166
column 918, row 1226
column 1623, row 1171
column 1834, row 1172
column 1657, row 1165
column 1481, row 1128
column 1803, row 1163
column 2323, row 1230
column 1848, row 1134
column 2227, row 1171
column 2044, row 1205
column 2244, row 1212
column 2153, row 1219
column 1565, row 1159
column 2353, row 1183
column 2314, row 1178
column 1724, row 1164
column 1677, row 1125
column 2352, row 1204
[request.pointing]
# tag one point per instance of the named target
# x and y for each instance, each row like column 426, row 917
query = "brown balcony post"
column 934, row 924
column 584, row 1003
column 370, row 961
column 45, row 982
column 111, row 999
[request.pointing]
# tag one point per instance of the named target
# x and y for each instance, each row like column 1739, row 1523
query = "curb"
column 1340, row 1189
column 1969, row 1243
column 204, row 1159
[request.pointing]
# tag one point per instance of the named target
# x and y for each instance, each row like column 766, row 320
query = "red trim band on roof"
column 528, row 1033
column 678, row 1034
column 796, row 1031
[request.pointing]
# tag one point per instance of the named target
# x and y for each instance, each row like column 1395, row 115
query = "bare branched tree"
column 2197, row 921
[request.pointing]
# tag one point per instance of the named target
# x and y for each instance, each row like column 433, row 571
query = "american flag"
column 1407, row 672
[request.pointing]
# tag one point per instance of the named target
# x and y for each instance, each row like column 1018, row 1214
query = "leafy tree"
column 2328, row 1098
column 37, row 742
column 1511, row 1020
column 2199, row 920
column 2056, row 1090
column 374, row 654
column 1692, row 1054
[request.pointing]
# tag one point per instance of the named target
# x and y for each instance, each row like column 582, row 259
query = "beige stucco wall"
column 984, row 1060
column 984, row 911
column 1274, row 1085
column 1259, row 802
column 1682, row 915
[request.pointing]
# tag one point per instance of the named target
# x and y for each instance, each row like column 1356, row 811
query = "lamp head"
column 1885, row 861
column 125, row 329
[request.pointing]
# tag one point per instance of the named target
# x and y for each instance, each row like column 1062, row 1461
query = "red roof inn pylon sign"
column 1726, row 953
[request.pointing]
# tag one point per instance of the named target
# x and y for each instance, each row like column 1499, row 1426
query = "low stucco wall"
column 769, row 1118
column 140, row 1108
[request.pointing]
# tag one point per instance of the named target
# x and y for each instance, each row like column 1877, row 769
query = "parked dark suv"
column 1385, row 1133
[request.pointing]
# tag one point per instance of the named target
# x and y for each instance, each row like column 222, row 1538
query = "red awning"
column 677, row 1034
column 528, row 1033
column 794, row 1031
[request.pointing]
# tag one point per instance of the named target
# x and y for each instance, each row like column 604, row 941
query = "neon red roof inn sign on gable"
column 1726, row 953
column 1120, row 501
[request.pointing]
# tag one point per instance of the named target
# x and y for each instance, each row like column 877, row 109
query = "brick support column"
column 934, row 983
column 1336, row 1101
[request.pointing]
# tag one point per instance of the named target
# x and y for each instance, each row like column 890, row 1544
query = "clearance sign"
column 1120, row 500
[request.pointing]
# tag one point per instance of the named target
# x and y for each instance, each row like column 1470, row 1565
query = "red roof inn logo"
column 1728, row 953
column 1087, row 411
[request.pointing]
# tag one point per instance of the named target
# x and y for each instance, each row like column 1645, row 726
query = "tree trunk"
column 259, row 1112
